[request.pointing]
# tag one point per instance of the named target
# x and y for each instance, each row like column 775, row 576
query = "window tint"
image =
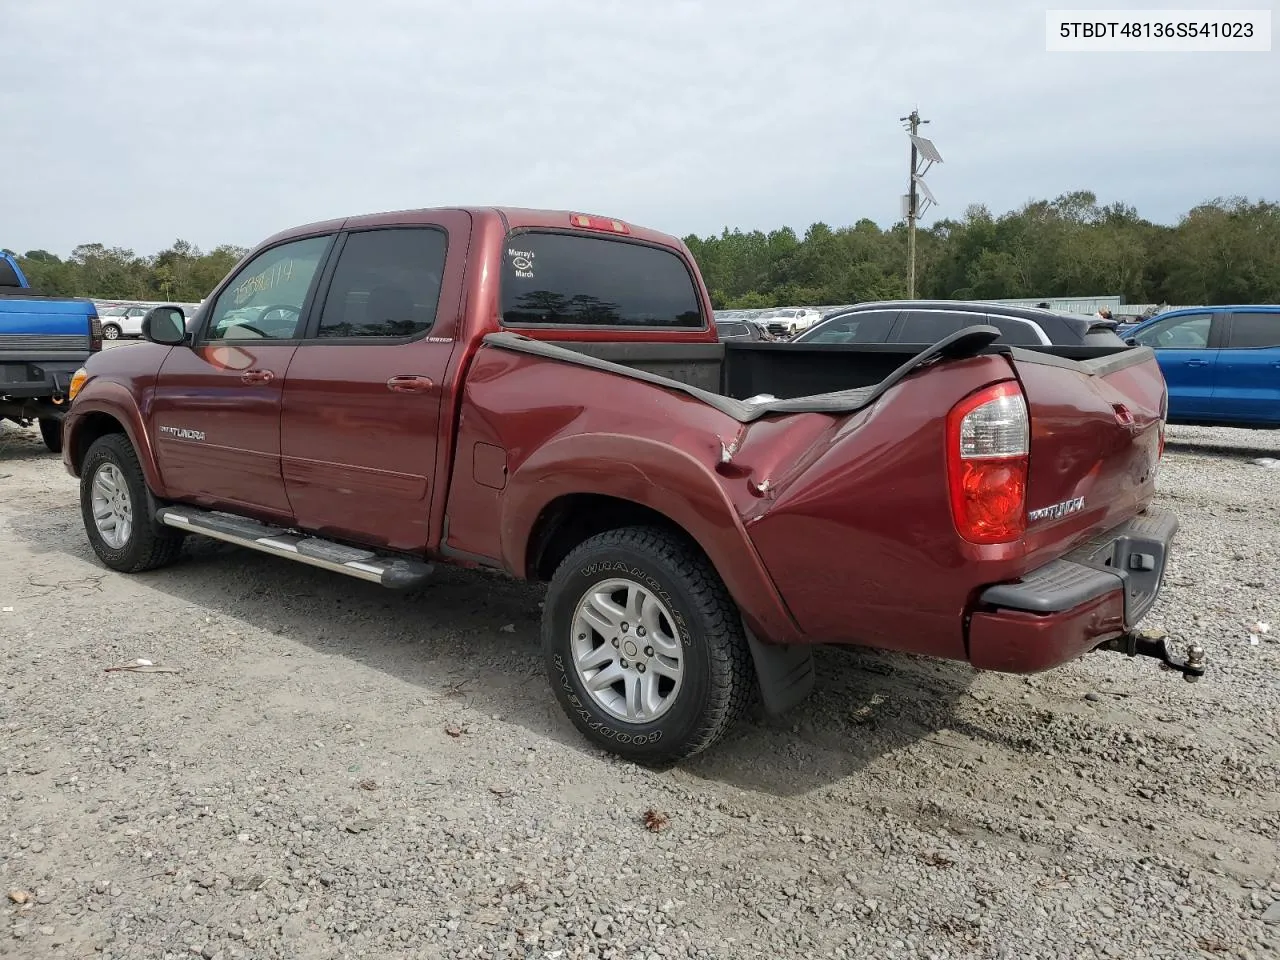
column 264, row 301
column 930, row 326
column 1255, row 330
column 870, row 327
column 386, row 284
column 1187, row 332
column 562, row 279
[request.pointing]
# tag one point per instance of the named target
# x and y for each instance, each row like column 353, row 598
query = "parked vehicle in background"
column 741, row 330
column 1222, row 364
column 928, row 321
column 789, row 321
column 544, row 393
column 43, row 341
column 120, row 322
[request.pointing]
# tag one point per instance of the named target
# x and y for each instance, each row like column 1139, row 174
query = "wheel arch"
column 584, row 484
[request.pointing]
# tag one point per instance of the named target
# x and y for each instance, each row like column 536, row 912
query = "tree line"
column 1222, row 251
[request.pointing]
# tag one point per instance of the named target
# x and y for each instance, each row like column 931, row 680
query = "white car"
column 790, row 321
column 120, row 322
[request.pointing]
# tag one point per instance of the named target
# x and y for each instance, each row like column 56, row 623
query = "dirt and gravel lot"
column 338, row 771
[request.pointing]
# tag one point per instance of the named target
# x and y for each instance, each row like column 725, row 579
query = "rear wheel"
column 110, row 331
column 116, row 505
column 51, row 434
column 644, row 647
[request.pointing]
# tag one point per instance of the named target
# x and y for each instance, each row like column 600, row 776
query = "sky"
column 137, row 122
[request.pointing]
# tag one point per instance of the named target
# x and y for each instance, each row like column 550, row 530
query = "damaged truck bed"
column 544, row 393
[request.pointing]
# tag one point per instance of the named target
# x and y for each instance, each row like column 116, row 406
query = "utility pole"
column 920, row 148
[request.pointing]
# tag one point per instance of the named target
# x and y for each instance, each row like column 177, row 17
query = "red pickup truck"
column 544, row 393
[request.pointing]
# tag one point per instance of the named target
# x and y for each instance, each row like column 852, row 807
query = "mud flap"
column 785, row 673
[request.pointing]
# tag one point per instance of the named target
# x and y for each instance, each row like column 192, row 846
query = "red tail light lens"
column 988, row 446
column 95, row 334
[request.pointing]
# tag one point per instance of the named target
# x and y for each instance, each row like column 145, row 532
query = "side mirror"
column 165, row 325
column 1131, row 341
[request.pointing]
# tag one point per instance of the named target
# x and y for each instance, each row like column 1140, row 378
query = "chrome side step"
column 397, row 573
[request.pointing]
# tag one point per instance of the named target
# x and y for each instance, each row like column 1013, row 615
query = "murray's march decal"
column 521, row 262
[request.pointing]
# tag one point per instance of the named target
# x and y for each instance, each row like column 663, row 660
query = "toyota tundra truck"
column 544, row 394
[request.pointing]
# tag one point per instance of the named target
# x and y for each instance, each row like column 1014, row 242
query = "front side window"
column 567, row 279
column 265, row 300
column 1187, row 332
column 870, row 327
column 386, row 284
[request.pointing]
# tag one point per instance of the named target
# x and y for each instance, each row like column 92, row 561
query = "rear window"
column 566, row 279
column 1253, row 330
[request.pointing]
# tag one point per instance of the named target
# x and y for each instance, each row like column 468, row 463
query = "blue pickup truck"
column 43, row 341
column 1221, row 364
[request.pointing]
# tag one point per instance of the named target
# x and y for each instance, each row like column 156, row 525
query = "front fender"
column 114, row 400
column 662, row 478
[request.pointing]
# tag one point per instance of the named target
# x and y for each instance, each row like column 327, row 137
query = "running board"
column 397, row 573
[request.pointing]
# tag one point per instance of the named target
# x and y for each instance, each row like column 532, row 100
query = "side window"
column 1187, row 332
column 1253, row 330
column 264, row 301
column 870, row 327
column 8, row 275
column 386, row 284
column 1015, row 332
column 930, row 326
column 553, row 278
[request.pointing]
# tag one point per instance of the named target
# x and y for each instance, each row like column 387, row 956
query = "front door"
column 215, row 418
column 1247, row 388
column 362, row 401
column 1182, row 346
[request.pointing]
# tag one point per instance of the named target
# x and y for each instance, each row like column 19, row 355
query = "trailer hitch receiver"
column 1138, row 643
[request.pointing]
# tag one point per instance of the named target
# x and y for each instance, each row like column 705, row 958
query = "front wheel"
column 114, row 504
column 110, row 331
column 51, row 434
column 644, row 647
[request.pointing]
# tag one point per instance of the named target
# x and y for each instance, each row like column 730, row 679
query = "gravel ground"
column 338, row 771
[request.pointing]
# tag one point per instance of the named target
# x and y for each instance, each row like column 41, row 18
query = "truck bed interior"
column 799, row 377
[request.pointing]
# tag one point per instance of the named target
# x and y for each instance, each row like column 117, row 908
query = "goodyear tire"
column 644, row 647
column 116, row 507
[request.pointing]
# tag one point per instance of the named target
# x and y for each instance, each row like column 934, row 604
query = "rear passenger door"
column 1246, row 386
column 362, row 401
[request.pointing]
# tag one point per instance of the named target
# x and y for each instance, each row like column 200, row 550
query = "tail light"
column 95, row 333
column 988, row 447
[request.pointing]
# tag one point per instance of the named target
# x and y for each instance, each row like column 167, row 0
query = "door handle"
column 257, row 376
column 1197, row 363
column 407, row 383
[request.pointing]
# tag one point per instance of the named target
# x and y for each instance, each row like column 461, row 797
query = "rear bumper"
column 31, row 379
column 1072, row 605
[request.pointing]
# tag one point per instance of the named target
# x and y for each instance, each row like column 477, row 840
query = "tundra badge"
column 1057, row 511
column 182, row 433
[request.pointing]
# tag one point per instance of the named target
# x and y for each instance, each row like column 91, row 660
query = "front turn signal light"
column 77, row 381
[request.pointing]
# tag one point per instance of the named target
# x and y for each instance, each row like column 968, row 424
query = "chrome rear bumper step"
column 396, row 573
